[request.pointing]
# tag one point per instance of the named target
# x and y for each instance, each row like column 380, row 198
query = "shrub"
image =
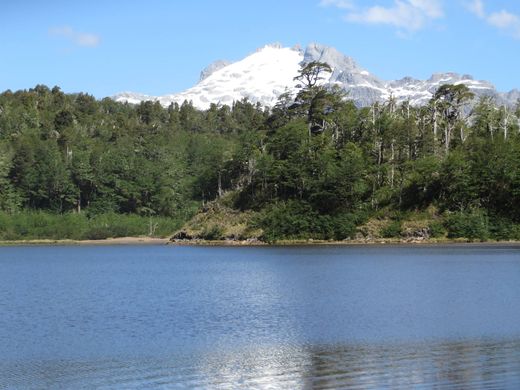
column 392, row 230
column 33, row 225
column 286, row 220
column 298, row 220
column 503, row 229
column 345, row 225
column 212, row 232
column 472, row 225
column 437, row 229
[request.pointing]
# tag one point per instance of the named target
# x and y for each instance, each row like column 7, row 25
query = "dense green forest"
column 314, row 166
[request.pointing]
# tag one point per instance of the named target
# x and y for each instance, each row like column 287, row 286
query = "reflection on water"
column 246, row 318
column 458, row 365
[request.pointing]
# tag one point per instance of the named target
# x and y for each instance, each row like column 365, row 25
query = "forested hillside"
column 315, row 166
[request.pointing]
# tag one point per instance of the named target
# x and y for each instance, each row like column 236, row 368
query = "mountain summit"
column 264, row 75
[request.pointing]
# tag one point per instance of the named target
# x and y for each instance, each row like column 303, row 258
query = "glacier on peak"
column 264, row 75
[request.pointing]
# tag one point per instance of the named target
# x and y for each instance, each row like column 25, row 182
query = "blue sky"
column 159, row 46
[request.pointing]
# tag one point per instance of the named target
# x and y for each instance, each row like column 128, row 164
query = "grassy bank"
column 288, row 223
column 72, row 226
column 219, row 224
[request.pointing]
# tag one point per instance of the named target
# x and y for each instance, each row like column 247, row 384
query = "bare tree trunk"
column 379, row 160
column 391, row 105
column 505, row 122
column 435, row 125
column 392, row 171
column 447, row 137
column 152, row 227
column 219, row 184
column 379, row 152
column 250, row 170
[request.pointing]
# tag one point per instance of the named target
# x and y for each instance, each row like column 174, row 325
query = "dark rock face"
column 182, row 236
column 417, row 234
column 212, row 68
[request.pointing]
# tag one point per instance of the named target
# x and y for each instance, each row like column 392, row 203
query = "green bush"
column 503, row 229
column 34, row 225
column 213, row 232
column 345, row 224
column 473, row 225
column 287, row 220
column 41, row 225
column 437, row 229
column 298, row 220
column 392, row 230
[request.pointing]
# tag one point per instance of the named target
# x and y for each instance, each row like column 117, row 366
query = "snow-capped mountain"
column 264, row 75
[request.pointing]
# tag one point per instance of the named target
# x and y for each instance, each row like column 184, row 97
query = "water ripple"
column 468, row 364
column 259, row 318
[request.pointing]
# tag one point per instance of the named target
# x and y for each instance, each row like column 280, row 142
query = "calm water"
column 244, row 318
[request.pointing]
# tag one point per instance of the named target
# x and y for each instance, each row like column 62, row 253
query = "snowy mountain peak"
column 268, row 72
column 212, row 68
column 274, row 45
column 336, row 60
column 260, row 77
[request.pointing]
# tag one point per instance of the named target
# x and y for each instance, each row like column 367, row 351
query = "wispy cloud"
column 77, row 38
column 502, row 20
column 406, row 15
column 506, row 21
column 476, row 7
column 341, row 4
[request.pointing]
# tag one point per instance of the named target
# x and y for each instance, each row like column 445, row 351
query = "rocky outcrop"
column 217, row 222
column 212, row 68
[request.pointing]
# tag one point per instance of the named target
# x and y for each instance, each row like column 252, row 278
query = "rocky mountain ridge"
column 264, row 75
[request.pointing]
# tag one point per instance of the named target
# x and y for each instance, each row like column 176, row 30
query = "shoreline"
column 253, row 243
column 107, row 241
column 375, row 242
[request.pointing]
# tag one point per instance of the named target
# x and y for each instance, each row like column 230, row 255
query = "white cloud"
column 477, row 7
column 341, row 4
column 406, row 15
column 90, row 40
column 432, row 8
column 503, row 20
column 506, row 21
column 78, row 38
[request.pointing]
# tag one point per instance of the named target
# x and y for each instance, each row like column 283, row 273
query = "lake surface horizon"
column 312, row 317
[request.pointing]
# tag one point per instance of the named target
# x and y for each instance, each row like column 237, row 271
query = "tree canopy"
column 315, row 156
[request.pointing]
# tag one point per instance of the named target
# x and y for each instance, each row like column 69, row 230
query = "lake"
column 316, row 317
